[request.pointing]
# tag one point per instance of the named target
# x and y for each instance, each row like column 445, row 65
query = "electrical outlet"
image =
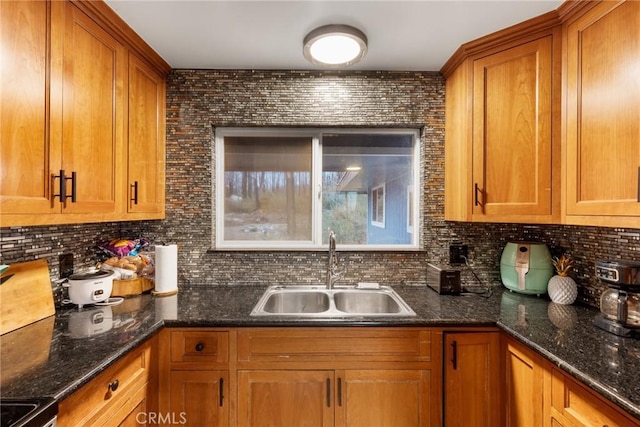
column 65, row 262
column 458, row 253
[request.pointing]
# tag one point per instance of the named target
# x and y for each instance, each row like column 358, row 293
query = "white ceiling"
column 238, row 34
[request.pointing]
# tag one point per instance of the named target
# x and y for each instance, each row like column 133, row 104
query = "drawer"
column 200, row 346
column 582, row 407
column 109, row 391
column 334, row 344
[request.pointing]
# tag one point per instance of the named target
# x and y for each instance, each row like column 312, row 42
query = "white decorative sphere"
column 562, row 289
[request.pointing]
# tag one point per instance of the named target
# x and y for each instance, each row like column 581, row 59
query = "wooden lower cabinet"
column 195, row 380
column 198, row 398
column 472, row 387
column 383, row 398
column 134, row 412
column 524, row 374
column 342, row 376
column 370, row 377
column 119, row 396
column 286, row 398
column 540, row 394
column 351, row 398
column 573, row 404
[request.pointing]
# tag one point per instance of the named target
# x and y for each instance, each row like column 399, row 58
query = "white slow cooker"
column 90, row 288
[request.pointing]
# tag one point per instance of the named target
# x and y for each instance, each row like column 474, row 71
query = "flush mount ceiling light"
column 335, row 46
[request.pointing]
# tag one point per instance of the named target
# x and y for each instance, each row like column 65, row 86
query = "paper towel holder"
column 164, row 294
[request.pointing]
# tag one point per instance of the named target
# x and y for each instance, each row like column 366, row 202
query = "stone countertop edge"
column 102, row 365
column 74, row 362
column 589, row 381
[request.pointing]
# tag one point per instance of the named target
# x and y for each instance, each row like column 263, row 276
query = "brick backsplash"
column 200, row 100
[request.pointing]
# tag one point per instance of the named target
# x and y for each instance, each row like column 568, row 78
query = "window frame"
column 315, row 244
column 375, row 205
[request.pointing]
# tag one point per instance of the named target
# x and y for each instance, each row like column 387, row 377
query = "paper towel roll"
column 166, row 269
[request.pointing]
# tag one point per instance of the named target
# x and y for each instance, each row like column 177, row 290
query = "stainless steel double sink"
column 319, row 302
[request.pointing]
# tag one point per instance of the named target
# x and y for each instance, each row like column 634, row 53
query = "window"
column 285, row 188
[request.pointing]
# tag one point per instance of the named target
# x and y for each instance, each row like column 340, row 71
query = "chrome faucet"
column 332, row 268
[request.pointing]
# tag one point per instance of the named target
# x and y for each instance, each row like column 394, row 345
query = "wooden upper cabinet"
column 64, row 87
column 146, row 142
column 603, row 116
column 513, row 164
column 502, row 139
column 25, row 161
column 90, row 71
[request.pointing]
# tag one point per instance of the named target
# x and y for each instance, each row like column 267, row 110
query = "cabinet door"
column 90, row 122
column 146, row 145
column 603, row 116
column 383, row 398
column 472, row 394
column 513, row 165
column 524, row 387
column 285, row 398
column 199, row 398
column 25, row 159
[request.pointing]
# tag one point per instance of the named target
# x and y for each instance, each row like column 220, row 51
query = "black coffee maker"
column 620, row 304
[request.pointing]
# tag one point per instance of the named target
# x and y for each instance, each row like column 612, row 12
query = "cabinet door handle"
column 62, row 188
column 339, row 391
column 74, row 179
column 476, row 199
column 221, row 401
column 328, row 392
column 454, row 354
column 200, row 346
column 134, row 191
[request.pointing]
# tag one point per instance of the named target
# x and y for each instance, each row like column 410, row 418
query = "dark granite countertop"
column 56, row 356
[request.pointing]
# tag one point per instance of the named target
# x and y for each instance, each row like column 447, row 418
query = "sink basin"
column 19, row 412
column 318, row 302
column 297, row 302
column 366, row 302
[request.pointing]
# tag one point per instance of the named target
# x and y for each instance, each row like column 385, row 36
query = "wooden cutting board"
column 25, row 350
column 25, row 295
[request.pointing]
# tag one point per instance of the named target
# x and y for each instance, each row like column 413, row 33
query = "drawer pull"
column 113, row 386
column 339, row 391
column 221, row 384
column 200, row 346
